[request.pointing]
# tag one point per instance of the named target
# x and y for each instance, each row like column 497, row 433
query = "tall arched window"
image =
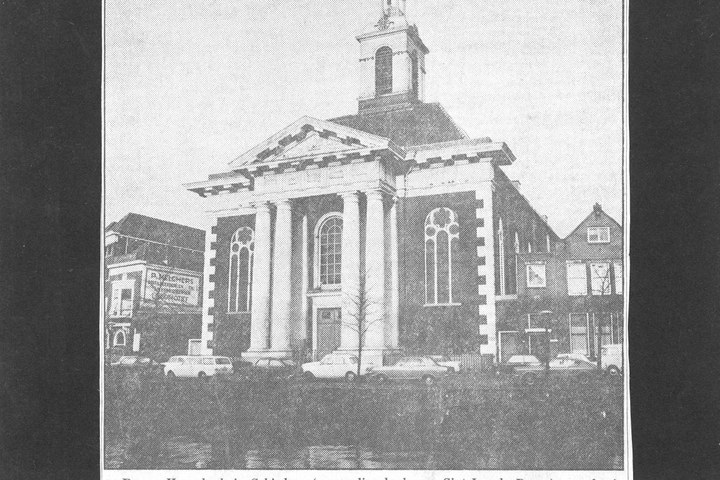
column 383, row 70
column 328, row 250
column 441, row 228
column 500, row 288
column 242, row 245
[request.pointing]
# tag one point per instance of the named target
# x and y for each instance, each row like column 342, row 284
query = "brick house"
column 153, row 285
column 394, row 202
column 576, row 291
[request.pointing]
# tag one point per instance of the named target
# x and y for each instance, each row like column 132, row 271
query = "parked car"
column 136, row 362
column 612, row 358
column 197, row 366
column 445, row 361
column 410, row 368
column 518, row 361
column 334, row 365
column 575, row 356
column 274, row 369
column 563, row 366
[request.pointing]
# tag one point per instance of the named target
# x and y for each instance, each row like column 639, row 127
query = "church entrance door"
column 328, row 331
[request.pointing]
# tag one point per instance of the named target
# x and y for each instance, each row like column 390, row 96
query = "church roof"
column 418, row 124
column 157, row 230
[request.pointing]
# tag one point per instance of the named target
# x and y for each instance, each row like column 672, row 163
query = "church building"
column 390, row 221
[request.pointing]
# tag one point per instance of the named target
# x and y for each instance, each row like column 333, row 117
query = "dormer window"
column 598, row 234
column 383, row 71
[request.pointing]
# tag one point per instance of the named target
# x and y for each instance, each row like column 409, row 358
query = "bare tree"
column 601, row 284
column 362, row 303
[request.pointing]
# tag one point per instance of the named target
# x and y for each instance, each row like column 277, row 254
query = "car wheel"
column 613, row 371
column 451, row 369
column 381, row 378
column 429, row 380
column 350, row 376
column 202, row 376
column 308, row 376
column 171, row 374
column 529, row 379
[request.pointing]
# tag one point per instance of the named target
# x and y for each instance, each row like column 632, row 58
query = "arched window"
column 500, row 289
column 119, row 339
column 441, row 228
column 328, row 258
column 383, row 70
column 242, row 245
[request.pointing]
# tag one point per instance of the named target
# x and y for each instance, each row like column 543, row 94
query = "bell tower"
column 392, row 61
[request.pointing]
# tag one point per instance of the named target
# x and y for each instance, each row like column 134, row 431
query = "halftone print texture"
column 380, row 236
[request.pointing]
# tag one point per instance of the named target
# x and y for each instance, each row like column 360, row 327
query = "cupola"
column 392, row 61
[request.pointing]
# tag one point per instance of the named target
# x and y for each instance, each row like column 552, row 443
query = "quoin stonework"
column 394, row 203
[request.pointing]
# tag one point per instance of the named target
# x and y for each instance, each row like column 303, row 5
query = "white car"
column 575, row 356
column 197, row 366
column 445, row 361
column 612, row 358
column 334, row 365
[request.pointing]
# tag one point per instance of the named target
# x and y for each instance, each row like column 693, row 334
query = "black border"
column 50, row 54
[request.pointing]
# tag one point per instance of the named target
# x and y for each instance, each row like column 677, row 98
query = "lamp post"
column 545, row 315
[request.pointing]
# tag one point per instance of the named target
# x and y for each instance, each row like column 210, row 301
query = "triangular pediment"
column 309, row 138
column 313, row 144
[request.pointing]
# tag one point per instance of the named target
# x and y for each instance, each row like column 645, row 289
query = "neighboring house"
column 576, row 291
column 396, row 196
column 153, row 288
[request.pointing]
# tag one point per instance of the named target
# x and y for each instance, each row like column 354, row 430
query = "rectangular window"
column 598, row 234
column 618, row 272
column 576, row 278
column 600, row 278
column 121, row 302
column 579, row 342
column 535, row 273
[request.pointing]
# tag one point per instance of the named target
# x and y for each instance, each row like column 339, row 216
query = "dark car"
column 136, row 362
column 562, row 366
column 410, row 368
column 516, row 361
column 273, row 369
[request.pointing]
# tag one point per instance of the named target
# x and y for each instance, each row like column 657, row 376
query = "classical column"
column 350, row 270
column 282, row 285
column 394, row 277
column 260, row 313
column 375, row 275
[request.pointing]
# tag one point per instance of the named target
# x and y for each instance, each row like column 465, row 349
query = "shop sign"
column 172, row 288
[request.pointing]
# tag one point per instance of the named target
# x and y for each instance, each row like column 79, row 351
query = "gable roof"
column 418, row 124
column 590, row 217
column 157, row 230
column 308, row 137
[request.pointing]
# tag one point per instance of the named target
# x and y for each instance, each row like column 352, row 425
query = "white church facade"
column 392, row 217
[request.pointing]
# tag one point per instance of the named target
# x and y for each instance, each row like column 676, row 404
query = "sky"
column 191, row 85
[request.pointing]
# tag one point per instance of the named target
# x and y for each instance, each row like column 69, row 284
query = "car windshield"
column 328, row 360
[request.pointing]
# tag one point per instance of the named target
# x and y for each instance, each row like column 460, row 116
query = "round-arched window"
column 119, row 339
column 242, row 245
column 441, row 228
column 383, row 70
column 329, row 251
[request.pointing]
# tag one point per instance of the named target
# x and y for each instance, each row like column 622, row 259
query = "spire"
column 392, row 7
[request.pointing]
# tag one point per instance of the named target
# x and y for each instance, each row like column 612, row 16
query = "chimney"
column 516, row 184
column 597, row 209
column 545, row 218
